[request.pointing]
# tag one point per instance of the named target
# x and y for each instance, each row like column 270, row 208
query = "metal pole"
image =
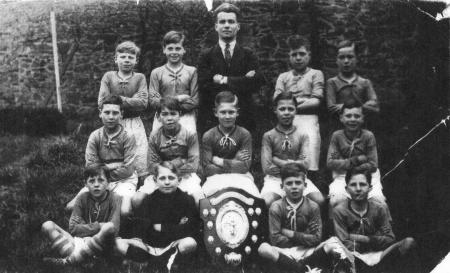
column 55, row 60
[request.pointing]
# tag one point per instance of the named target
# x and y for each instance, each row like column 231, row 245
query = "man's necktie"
column 227, row 54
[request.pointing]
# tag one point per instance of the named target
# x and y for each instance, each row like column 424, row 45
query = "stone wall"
column 397, row 42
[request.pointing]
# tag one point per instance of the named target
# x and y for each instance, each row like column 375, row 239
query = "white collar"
column 222, row 45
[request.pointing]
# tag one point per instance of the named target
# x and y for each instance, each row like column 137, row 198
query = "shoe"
column 56, row 261
column 341, row 262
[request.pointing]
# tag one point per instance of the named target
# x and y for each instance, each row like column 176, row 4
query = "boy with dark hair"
column 295, row 228
column 112, row 146
column 282, row 145
column 173, row 143
column 306, row 84
column 93, row 224
column 363, row 225
column 176, row 79
column 348, row 85
column 228, row 66
column 169, row 221
column 132, row 89
column 352, row 148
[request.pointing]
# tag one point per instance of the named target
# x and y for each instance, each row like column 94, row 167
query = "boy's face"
column 358, row 187
column 110, row 115
column 97, row 185
column 346, row 60
column 226, row 113
column 125, row 61
column 352, row 119
column 285, row 112
column 174, row 52
column 299, row 58
column 166, row 181
column 294, row 187
column 169, row 118
column 227, row 26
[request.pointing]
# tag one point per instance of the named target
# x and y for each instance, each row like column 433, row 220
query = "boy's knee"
column 108, row 228
column 407, row 245
column 265, row 250
column 318, row 198
column 336, row 199
column 137, row 199
column 48, row 226
column 187, row 245
column 269, row 198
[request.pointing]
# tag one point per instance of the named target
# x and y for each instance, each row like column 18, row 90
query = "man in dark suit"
column 227, row 66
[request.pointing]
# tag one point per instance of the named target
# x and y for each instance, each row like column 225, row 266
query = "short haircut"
column 352, row 172
column 292, row 170
column 346, row 43
column 173, row 37
column 351, row 103
column 170, row 103
column 168, row 165
column 226, row 97
column 112, row 99
column 95, row 170
column 228, row 8
column 128, row 47
column 297, row 41
column 284, row 96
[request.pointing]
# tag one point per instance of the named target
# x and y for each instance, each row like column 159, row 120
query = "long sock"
column 62, row 245
column 319, row 257
column 290, row 264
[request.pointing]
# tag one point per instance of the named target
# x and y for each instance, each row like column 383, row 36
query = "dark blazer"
column 212, row 62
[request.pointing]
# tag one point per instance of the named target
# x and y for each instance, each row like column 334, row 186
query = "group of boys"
column 155, row 180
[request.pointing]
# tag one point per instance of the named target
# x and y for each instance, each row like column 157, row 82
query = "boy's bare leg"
column 61, row 240
column 186, row 245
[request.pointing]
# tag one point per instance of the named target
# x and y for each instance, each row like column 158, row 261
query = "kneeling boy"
column 363, row 224
column 296, row 227
column 170, row 221
column 93, row 224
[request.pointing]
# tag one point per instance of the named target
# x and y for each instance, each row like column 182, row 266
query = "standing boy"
column 176, row 79
column 295, row 228
column 307, row 86
column 363, row 225
column 93, row 224
column 132, row 89
column 352, row 148
column 282, row 145
column 169, row 221
column 228, row 66
column 112, row 146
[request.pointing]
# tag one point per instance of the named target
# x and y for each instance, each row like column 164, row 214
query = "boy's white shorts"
column 273, row 184
column 309, row 125
column 187, row 120
column 80, row 247
column 190, row 183
column 217, row 182
column 135, row 127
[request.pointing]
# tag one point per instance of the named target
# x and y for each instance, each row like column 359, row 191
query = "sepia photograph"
column 257, row 136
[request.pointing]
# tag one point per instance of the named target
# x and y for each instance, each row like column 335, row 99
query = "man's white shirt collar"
column 222, row 45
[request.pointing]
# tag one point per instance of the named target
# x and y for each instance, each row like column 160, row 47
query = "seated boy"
column 295, row 228
column 363, row 225
column 348, row 85
column 93, row 224
column 169, row 221
column 307, row 86
column 352, row 147
column 282, row 145
column 176, row 144
column 112, row 146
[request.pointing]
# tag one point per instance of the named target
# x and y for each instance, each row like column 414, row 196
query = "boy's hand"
column 313, row 270
column 300, row 101
column 362, row 159
column 243, row 155
column 217, row 161
column 157, row 227
column 287, row 232
column 183, row 97
column 250, row 74
column 183, row 220
column 217, row 78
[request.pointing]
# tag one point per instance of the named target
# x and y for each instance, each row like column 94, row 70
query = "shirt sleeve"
column 269, row 168
column 91, row 154
column 153, row 153
column 340, row 229
column 279, row 86
column 313, row 234
column 303, row 158
column 207, row 154
column 127, row 168
column 276, row 237
column 77, row 225
column 238, row 166
column 115, row 213
column 104, row 89
column 335, row 160
column 183, row 230
column 317, row 85
column 372, row 155
column 372, row 99
column 154, row 95
column 332, row 106
column 139, row 101
column 384, row 236
column 192, row 103
column 192, row 162
column 237, row 82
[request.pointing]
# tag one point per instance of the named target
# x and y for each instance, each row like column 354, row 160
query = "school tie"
column 227, row 54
